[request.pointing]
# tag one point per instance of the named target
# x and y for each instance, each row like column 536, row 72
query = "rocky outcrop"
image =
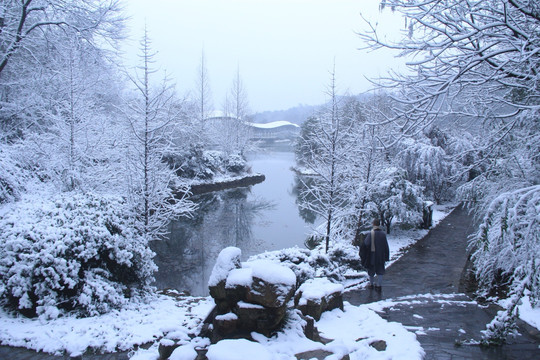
column 318, row 295
column 249, row 298
column 254, row 297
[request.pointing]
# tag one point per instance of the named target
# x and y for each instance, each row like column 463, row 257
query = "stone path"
column 424, row 292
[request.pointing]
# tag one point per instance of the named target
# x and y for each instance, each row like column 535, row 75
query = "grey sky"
column 284, row 48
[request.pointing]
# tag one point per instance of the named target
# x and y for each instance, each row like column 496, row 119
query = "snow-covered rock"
column 228, row 259
column 318, row 295
column 249, row 298
column 273, row 284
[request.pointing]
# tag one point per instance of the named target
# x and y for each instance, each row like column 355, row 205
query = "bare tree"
column 151, row 117
column 203, row 96
column 327, row 147
column 237, row 110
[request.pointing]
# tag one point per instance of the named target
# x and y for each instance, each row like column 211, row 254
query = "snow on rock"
column 353, row 329
column 251, row 298
column 239, row 277
column 238, row 349
column 227, row 317
column 318, row 295
column 271, row 272
column 228, row 259
column 184, row 352
column 245, row 305
column 318, row 288
column 273, row 284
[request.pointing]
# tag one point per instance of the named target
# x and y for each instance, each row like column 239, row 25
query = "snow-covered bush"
column 507, row 244
column 235, row 163
column 345, row 255
column 197, row 163
column 191, row 163
column 394, row 197
column 213, row 159
column 428, row 166
column 10, row 184
column 70, row 252
column 308, row 264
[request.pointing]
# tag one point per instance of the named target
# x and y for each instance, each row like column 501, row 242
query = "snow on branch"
column 509, row 239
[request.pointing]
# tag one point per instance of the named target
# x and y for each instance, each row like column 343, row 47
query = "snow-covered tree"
column 59, row 130
column 22, row 22
column 479, row 61
column 371, row 155
column 326, row 148
column 152, row 116
column 236, row 111
column 72, row 136
column 476, row 59
column 507, row 241
column 428, row 166
column 203, row 98
column 392, row 197
column 15, row 173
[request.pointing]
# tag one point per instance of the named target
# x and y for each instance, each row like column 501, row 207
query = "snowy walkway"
column 423, row 291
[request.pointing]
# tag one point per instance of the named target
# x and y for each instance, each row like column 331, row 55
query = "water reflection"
column 185, row 260
column 301, row 184
column 261, row 218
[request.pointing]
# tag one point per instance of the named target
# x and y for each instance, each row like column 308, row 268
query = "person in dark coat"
column 375, row 253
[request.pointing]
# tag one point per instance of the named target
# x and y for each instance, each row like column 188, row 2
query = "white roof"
column 273, row 125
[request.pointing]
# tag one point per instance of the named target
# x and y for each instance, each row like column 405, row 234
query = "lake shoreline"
column 230, row 183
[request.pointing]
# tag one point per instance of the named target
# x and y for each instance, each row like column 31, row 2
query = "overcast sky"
column 283, row 48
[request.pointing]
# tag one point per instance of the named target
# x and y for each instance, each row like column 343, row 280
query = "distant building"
column 277, row 130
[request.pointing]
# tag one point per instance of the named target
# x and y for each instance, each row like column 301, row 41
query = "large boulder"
column 273, row 284
column 249, row 298
column 258, row 318
column 318, row 295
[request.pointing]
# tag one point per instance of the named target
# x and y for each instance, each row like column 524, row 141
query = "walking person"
column 374, row 252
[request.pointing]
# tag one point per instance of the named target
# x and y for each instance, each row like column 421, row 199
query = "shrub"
column 308, row 264
column 235, row 164
column 71, row 252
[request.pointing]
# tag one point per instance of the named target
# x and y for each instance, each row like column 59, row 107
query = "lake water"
column 262, row 217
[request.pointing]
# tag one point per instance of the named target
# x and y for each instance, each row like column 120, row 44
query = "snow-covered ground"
column 138, row 323
column 164, row 318
column 353, row 329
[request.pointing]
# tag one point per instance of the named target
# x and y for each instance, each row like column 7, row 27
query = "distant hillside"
column 296, row 115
